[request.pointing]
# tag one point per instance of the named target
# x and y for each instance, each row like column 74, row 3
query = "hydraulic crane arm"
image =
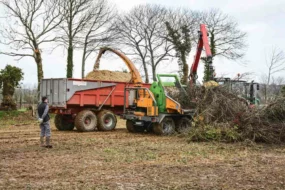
column 136, row 77
column 203, row 42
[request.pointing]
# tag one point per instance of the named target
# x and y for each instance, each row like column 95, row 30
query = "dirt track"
column 119, row 160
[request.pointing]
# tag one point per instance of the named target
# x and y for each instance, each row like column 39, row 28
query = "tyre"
column 139, row 129
column 86, row 121
column 107, row 120
column 130, row 126
column 133, row 128
column 149, row 127
column 166, row 127
column 183, row 125
column 64, row 122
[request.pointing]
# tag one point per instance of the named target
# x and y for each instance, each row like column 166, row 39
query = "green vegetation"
column 16, row 117
column 180, row 38
column 207, row 72
column 4, row 114
column 214, row 133
column 9, row 80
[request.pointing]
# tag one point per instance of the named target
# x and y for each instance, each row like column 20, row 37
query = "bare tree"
column 275, row 62
column 181, row 25
column 29, row 25
column 77, row 15
column 98, row 32
column 246, row 76
column 143, row 31
column 133, row 38
column 276, row 87
column 226, row 39
column 263, row 87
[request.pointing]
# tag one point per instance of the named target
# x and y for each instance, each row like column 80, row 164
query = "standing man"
column 44, row 123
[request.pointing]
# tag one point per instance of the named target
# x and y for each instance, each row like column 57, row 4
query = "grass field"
column 120, row 160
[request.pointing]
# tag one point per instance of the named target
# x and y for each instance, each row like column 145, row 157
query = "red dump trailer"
column 85, row 104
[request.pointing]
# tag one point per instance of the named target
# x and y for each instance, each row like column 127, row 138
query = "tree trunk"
column 185, row 74
column 145, row 72
column 154, row 73
column 83, row 62
column 153, row 66
column 185, row 69
column 267, row 85
column 21, row 100
column 206, row 72
column 39, row 62
column 265, row 94
column 69, row 72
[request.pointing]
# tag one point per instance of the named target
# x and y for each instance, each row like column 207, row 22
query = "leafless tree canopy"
column 228, row 39
column 75, row 18
column 88, row 24
column 75, row 21
column 133, row 38
column 143, row 31
column 99, row 30
column 85, row 24
column 185, row 17
column 28, row 25
column 275, row 62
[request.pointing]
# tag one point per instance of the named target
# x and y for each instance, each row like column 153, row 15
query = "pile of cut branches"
column 223, row 116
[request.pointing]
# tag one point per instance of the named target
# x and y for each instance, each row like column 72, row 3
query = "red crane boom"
column 203, row 42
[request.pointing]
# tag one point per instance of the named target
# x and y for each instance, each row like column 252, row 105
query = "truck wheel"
column 134, row 129
column 86, row 121
column 183, row 125
column 149, row 127
column 107, row 120
column 166, row 127
column 139, row 129
column 130, row 126
column 62, row 122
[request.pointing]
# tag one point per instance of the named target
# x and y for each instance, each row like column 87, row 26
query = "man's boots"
column 48, row 145
column 42, row 141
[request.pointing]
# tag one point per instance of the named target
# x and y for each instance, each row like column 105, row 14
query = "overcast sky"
column 263, row 20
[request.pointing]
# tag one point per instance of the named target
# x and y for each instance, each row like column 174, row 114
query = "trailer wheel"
column 86, row 121
column 62, row 122
column 166, row 127
column 107, row 120
column 183, row 125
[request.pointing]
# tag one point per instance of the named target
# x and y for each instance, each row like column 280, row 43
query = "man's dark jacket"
column 41, row 110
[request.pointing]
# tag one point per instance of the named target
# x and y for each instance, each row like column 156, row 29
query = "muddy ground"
column 120, row 160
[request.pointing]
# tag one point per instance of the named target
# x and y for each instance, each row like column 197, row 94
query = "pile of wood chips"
column 105, row 75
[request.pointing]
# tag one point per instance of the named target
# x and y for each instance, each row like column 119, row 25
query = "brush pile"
column 223, row 116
